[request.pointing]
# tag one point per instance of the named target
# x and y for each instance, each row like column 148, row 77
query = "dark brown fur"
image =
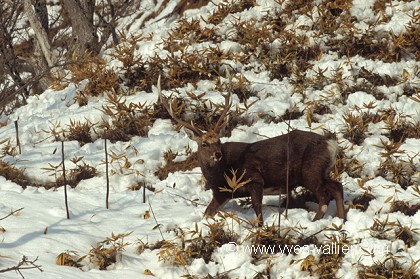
column 306, row 158
column 265, row 163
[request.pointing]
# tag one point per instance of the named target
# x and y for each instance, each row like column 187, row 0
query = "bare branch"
column 23, row 265
column 11, row 213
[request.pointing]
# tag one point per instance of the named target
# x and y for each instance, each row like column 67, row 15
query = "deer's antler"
column 168, row 107
column 224, row 119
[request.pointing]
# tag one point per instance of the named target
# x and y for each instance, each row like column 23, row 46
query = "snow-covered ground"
column 41, row 231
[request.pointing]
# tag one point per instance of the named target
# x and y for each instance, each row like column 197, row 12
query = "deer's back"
column 267, row 159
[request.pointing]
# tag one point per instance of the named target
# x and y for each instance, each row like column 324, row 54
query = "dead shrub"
column 224, row 9
column 390, row 267
column 10, row 172
column 108, row 251
column 355, row 128
column 125, row 120
column 362, row 201
column 79, row 131
column 101, row 79
column 80, row 172
column 194, row 244
column 405, row 208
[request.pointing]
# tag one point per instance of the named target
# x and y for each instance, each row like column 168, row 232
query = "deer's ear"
column 191, row 134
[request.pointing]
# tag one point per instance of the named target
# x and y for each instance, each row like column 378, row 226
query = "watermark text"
column 325, row 249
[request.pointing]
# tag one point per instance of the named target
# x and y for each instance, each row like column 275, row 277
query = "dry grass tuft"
column 395, row 169
column 400, row 128
column 194, row 244
column 405, row 208
column 108, row 252
column 125, row 120
column 80, row 172
column 101, row 79
column 82, row 132
column 333, row 253
column 104, row 254
column 10, row 172
column 390, row 267
column 224, row 9
column 362, row 202
column 355, row 129
column 269, row 240
column 70, row 258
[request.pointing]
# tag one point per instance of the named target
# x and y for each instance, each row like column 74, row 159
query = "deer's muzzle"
column 217, row 156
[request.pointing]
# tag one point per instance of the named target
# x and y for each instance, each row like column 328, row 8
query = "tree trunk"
column 85, row 38
column 47, row 61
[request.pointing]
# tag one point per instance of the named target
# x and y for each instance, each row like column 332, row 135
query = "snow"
column 41, row 230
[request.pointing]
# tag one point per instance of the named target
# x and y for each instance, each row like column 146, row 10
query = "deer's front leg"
column 256, row 191
column 216, row 203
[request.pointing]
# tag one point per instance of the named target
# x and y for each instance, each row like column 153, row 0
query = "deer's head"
column 209, row 146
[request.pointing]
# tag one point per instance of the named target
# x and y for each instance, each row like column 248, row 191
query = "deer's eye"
column 204, row 144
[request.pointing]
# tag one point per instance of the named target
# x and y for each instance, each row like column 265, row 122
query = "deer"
column 271, row 166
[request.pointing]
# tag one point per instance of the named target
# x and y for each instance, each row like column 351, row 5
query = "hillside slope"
column 349, row 68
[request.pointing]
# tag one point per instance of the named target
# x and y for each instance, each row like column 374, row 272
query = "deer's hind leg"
column 316, row 184
column 330, row 190
column 324, row 199
column 336, row 190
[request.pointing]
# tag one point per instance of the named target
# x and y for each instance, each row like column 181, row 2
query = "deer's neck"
column 214, row 174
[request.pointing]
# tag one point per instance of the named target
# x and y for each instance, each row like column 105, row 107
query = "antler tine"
column 223, row 119
column 168, row 107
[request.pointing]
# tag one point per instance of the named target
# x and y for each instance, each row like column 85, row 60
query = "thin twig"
column 287, row 172
column 11, row 213
column 65, row 180
column 144, row 193
column 17, row 136
column 154, row 217
column 194, row 203
column 255, row 133
column 22, row 265
column 47, row 138
column 107, row 175
column 11, row 96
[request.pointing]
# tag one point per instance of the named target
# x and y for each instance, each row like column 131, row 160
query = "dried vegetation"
column 275, row 45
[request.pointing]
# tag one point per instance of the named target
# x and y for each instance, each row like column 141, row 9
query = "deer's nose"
column 217, row 155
